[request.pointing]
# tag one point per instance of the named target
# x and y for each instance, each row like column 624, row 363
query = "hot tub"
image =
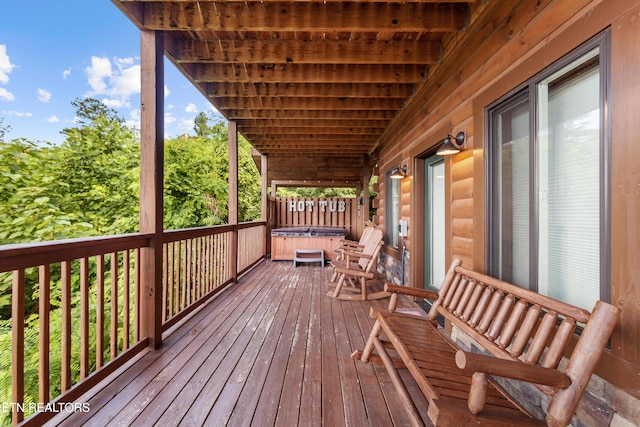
column 284, row 241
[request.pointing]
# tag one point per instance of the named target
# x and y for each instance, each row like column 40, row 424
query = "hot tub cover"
column 310, row 231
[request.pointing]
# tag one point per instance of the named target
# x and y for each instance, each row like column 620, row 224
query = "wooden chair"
column 352, row 246
column 356, row 271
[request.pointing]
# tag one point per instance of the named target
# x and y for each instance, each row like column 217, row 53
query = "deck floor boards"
column 273, row 349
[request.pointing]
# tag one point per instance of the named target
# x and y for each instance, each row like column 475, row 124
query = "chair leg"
column 336, row 292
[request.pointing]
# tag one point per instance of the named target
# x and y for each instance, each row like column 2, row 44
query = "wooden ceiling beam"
column 318, row 151
column 305, row 16
column 307, row 73
column 351, row 90
column 310, row 123
column 258, row 113
column 335, row 130
column 301, row 103
column 268, row 138
column 305, row 52
column 316, row 183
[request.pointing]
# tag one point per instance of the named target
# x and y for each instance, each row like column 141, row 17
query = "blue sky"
column 53, row 52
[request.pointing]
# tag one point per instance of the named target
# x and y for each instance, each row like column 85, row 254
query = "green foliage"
column 89, row 185
column 315, row 192
column 197, row 178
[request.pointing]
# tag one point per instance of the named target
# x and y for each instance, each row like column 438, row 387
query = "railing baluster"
column 65, row 374
column 126, row 309
column 179, row 278
column 170, row 279
column 165, row 281
column 44, row 335
column 84, row 318
column 99, row 311
column 17, row 335
column 113, row 339
column 136, row 299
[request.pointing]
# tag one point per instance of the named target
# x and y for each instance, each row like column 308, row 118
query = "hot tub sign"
column 309, row 205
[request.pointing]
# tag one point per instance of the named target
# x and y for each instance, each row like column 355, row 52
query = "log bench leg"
column 409, row 406
column 373, row 335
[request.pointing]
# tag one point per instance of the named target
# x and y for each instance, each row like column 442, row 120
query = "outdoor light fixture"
column 398, row 172
column 451, row 145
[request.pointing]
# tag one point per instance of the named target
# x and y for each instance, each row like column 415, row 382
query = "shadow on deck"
column 272, row 350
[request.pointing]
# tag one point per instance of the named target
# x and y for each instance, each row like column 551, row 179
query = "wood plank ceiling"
column 311, row 84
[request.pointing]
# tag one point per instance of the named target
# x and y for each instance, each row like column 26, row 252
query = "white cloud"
column 169, row 118
column 166, row 91
column 6, row 95
column 53, row 119
column 185, row 125
column 18, row 113
column 191, row 108
column 5, row 65
column 44, row 95
column 135, row 114
column 66, row 73
column 116, row 103
column 117, row 81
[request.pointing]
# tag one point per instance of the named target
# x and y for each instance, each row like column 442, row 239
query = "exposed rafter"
column 316, row 81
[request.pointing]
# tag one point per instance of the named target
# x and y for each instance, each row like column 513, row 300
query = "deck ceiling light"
column 398, row 172
column 451, row 145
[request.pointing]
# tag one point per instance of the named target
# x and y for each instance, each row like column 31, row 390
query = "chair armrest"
column 407, row 290
column 349, row 244
column 355, row 256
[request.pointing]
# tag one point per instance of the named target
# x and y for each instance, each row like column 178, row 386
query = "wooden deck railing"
column 96, row 283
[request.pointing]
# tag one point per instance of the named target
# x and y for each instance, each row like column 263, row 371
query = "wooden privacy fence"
column 92, row 285
column 321, row 212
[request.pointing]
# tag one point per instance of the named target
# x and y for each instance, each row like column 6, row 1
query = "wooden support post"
column 233, row 197
column 151, row 182
column 366, row 177
column 265, row 196
column 265, row 202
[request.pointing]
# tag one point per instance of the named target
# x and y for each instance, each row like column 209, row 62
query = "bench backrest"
column 514, row 323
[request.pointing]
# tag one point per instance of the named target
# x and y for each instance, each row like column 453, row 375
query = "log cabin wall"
column 504, row 45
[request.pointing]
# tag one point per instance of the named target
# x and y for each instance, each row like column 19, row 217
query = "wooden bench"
column 524, row 336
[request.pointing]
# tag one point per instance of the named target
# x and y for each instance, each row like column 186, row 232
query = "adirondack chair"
column 353, row 246
column 356, row 271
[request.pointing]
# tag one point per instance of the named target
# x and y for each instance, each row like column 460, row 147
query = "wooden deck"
column 272, row 350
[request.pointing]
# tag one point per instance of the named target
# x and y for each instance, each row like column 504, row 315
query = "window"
column 392, row 210
column 548, row 181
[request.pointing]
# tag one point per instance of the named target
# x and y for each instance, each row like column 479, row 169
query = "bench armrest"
column 484, row 365
column 407, row 290
column 513, row 369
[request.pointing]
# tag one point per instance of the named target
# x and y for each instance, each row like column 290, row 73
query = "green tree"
column 99, row 167
column 4, row 129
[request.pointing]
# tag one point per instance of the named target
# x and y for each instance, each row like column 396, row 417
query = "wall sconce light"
column 451, row 145
column 398, row 172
